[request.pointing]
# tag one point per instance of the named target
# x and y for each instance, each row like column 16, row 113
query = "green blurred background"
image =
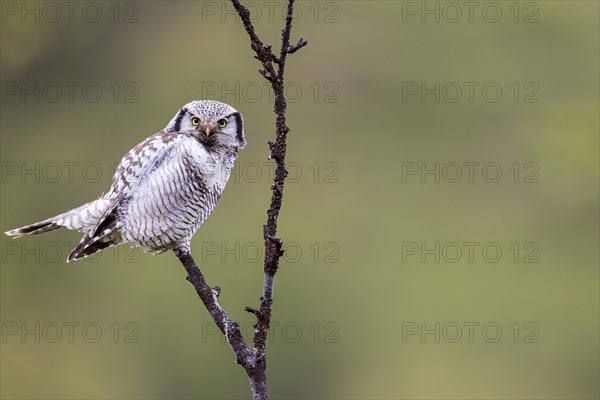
column 358, row 287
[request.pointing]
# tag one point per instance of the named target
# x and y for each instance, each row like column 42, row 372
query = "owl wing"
column 134, row 166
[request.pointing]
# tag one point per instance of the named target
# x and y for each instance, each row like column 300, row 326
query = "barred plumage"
column 163, row 189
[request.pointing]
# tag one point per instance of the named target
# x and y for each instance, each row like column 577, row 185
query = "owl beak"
column 208, row 128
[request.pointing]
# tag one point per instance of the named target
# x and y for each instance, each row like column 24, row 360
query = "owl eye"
column 222, row 123
column 195, row 121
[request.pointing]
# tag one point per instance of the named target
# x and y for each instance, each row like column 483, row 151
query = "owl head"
column 213, row 123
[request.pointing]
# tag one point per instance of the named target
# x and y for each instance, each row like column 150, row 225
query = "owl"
column 163, row 189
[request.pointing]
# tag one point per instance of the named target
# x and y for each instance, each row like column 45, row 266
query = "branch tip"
column 294, row 48
column 252, row 310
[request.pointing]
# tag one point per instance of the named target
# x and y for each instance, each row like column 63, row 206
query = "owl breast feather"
column 174, row 198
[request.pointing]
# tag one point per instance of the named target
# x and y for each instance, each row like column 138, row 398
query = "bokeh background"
column 366, row 305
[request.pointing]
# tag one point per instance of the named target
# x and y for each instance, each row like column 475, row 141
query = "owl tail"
column 33, row 229
column 83, row 219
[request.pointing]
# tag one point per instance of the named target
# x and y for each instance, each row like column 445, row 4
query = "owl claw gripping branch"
column 163, row 189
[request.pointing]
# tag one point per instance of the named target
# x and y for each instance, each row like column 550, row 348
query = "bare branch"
column 209, row 296
column 255, row 361
column 263, row 52
column 292, row 49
